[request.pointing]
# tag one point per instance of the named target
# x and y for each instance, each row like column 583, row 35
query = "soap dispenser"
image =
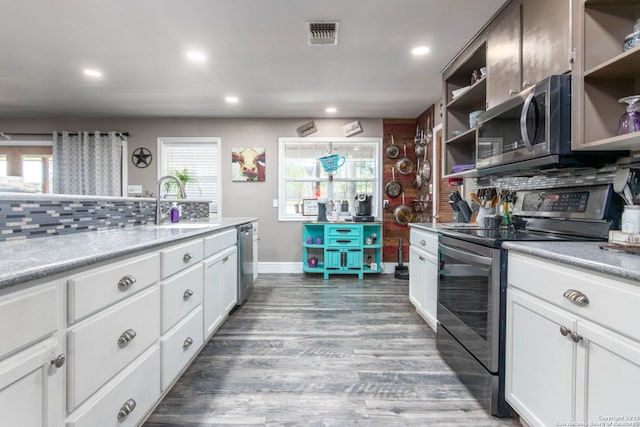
column 175, row 212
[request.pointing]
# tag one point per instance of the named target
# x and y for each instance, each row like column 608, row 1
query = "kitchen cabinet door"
column 611, row 381
column 539, row 360
column 416, row 277
column 230, row 279
column 504, row 60
column 213, row 295
column 546, row 39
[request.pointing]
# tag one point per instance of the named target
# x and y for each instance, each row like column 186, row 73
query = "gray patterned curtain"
column 87, row 163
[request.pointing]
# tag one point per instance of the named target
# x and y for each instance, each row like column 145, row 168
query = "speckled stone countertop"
column 587, row 255
column 31, row 259
column 428, row 226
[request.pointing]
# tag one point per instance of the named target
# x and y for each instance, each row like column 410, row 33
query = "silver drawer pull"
column 575, row 337
column 187, row 343
column 126, row 409
column 187, row 257
column 187, row 294
column 423, row 242
column 564, row 331
column 126, row 282
column 576, row 296
column 59, row 361
column 421, row 258
column 225, row 259
column 512, row 92
column 126, row 336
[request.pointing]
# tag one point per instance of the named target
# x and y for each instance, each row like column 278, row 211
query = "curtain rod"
column 49, row 133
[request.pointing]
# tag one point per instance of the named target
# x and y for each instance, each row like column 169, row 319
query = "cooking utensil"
column 392, row 150
column 417, row 180
column 494, row 201
column 420, row 149
column 476, row 199
column 404, row 164
column 402, row 214
column 393, row 187
column 426, row 168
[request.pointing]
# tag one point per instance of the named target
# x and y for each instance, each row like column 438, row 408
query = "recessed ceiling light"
column 331, row 110
column 232, row 99
column 196, row 56
column 92, row 73
column 420, row 50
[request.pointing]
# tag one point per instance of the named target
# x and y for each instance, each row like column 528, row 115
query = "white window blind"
column 200, row 158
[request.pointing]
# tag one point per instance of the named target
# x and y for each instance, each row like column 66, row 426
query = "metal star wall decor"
column 141, row 157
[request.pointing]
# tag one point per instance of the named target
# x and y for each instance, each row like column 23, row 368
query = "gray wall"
column 279, row 241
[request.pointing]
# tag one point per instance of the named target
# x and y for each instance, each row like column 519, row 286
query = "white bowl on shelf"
column 456, row 93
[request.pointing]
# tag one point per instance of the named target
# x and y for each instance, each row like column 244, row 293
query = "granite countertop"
column 31, row 259
column 428, row 226
column 587, row 255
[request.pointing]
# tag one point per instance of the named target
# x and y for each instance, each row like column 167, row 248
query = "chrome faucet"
column 180, row 188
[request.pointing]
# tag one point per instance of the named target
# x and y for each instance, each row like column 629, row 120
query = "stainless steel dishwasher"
column 245, row 262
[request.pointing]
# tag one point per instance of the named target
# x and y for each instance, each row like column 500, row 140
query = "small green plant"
column 184, row 175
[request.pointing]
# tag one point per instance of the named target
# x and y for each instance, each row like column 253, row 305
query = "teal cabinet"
column 342, row 248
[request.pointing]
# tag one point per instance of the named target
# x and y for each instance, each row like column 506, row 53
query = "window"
column 200, row 158
column 301, row 175
column 31, row 160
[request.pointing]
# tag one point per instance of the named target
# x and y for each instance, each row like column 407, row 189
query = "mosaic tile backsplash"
column 24, row 217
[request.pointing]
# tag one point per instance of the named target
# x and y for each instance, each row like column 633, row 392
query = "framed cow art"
column 248, row 164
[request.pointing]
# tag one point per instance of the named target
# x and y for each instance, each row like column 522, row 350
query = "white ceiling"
column 257, row 50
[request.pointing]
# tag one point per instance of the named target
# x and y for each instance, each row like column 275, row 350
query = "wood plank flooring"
column 303, row 351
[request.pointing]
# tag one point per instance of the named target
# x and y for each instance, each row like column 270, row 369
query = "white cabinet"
column 32, row 357
column 180, row 345
column 220, row 288
column 576, row 331
column 423, row 274
column 255, row 250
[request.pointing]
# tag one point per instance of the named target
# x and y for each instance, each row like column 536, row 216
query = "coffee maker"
column 363, row 208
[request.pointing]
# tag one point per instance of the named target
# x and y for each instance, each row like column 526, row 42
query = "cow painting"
column 248, row 164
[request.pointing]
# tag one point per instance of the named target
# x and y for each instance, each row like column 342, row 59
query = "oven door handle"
column 464, row 256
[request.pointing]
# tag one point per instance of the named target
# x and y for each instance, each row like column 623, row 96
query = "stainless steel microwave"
column 530, row 131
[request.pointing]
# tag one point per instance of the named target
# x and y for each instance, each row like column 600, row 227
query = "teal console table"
column 342, row 248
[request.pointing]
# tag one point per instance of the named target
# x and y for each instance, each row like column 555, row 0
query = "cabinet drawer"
column 425, row 240
column 27, row 316
column 612, row 303
column 102, row 345
column 181, row 294
column 180, row 345
column 101, row 287
column 219, row 241
column 139, row 383
column 344, row 242
column 343, row 231
column 180, row 257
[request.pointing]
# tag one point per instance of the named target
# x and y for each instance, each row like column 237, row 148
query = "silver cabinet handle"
column 187, row 257
column 126, row 409
column 525, row 84
column 423, row 242
column 59, row 361
column 421, row 258
column 564, row 331
column 126, row 282
column 576, row 296
column 126, row 336
column 575, row 337
column 512, row 92
column 187, row 343
column 187, row 294
column 225, row 259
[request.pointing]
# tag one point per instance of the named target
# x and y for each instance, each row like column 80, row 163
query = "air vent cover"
column 324, row 33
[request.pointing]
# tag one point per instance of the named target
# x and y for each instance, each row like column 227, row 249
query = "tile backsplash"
column 24, row 216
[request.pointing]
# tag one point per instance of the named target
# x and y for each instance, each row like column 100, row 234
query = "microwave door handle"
column 465, row 256
column 524, row 132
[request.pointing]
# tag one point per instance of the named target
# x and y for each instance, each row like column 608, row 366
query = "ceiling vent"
column 324, row 33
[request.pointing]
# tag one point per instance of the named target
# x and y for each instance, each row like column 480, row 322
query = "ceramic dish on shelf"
column 632, row 40
column 456, row 93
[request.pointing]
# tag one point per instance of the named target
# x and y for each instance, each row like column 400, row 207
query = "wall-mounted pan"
column 393, row 187
column 404, row 164
column 402, row 214
column 392, row 150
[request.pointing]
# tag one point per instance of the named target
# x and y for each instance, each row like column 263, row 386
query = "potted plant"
column 184, row 175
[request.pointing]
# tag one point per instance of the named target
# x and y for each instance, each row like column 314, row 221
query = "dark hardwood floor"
column 303, row 351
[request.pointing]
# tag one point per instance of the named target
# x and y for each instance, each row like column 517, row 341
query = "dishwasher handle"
column 246, row 229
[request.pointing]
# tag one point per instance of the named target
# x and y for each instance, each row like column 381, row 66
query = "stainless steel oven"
column 473, row 274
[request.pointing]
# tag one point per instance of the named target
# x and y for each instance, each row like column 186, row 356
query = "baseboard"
column 296, row 268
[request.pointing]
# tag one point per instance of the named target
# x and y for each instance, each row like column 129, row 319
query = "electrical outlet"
column 385, row 203
column 275, row 203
